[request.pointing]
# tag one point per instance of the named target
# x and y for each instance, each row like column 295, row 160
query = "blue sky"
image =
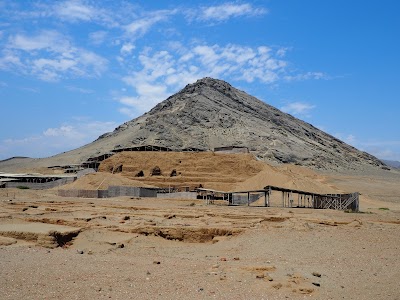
column 72, row 70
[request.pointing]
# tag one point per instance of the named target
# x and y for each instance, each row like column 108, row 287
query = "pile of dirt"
column 101, row 181
column 290, row 177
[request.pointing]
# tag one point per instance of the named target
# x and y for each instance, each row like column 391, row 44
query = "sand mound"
column 101, row 181
column 288, row 176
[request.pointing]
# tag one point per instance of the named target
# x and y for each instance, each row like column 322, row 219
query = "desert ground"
column 148, row 248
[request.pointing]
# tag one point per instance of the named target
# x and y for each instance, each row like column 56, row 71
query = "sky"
column 73, row 70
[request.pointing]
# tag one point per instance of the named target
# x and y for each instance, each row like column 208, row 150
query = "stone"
column 316, row 284
column 268, row 277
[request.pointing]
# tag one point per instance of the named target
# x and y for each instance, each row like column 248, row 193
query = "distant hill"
column 391, row 163
column 211, row 113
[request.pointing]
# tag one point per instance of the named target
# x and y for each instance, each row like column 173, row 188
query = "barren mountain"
column 211, row 113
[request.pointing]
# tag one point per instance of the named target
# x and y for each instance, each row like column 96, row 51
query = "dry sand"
column 101, row 181
column 123, row 248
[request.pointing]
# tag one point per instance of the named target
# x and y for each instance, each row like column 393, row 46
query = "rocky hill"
column 211, row 113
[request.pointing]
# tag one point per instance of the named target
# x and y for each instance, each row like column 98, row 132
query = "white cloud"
column 86, row 11
column 50, row 56
column 75, row 10
column 163, row 72
column 225, row 11
column 46, row 39
column 141, row 26
column 127, row 48
column 55, row 140
column 299, row 109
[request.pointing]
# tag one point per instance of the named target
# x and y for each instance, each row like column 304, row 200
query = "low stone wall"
column 40, row 186
column 178, row 195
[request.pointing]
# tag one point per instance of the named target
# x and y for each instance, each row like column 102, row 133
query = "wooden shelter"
column 290, row 198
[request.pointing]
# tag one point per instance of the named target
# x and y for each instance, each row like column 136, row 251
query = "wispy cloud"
column 127, row 48
column 225, row 11
column 75, row 10
column 142, row 25
column 98, row 37
column 50, row 56
column 83, row 11
column 382, row 149
column 306, row 76
column 55, row 140
column 299, row 109
column 79, row 89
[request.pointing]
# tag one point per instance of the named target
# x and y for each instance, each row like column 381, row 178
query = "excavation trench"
column 191, row 235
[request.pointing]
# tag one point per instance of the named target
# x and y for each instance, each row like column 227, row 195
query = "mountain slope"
column 392, row 163
column 211, row 113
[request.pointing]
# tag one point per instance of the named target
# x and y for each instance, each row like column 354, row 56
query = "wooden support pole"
column 265, row 199
column 291, row 199
column 248, row 198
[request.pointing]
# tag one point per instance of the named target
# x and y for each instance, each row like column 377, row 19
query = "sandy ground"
column 131, row 248
column 168, row 249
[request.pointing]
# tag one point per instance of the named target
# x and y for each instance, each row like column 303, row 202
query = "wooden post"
column 291, row 199
column 248, row 198
column 269, row 196
column 283, row 199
